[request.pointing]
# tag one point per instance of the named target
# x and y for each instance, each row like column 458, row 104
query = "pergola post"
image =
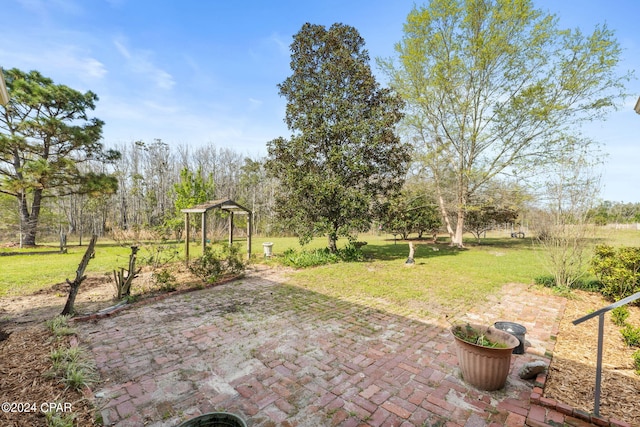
column 249, row 228
column 230, row 228
column 186, row 240
column 204, row 231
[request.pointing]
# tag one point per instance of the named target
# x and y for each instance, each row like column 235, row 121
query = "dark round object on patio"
column 516, row 330
column 215, row 419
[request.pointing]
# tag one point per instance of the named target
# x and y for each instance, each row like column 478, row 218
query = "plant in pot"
column 484, row 354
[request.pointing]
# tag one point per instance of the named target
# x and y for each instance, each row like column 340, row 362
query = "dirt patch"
column 17, row 312
column 571, row 378
column 96, row 292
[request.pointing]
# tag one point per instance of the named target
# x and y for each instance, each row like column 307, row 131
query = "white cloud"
column 122, row 49
column 140, row 62
column 162, row 108
column 67, row 60
column 92, row 67
column 283, row 46
column 254, row 104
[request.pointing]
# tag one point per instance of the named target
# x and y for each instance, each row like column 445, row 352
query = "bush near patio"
column 618, row 269
column 215, row 263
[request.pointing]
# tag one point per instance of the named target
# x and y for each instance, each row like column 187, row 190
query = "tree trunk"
column 75, row 285
column 445, row 215
column 332, row 242
column 459, row 229
column 30, row 219
column 412, row 250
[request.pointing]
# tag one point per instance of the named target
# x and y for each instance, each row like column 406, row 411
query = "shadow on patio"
column 278, row 354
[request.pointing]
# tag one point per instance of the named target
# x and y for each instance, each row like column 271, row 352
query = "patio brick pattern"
column 279, row 355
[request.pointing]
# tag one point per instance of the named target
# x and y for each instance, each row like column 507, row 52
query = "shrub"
column 631, row 335
column 636, row 361
column 165, row 280
column 214, row 264
column 157, row 255
column 618, row 270
column 546, row 281
column 619, row 315
column 351, row 253
column 549, row 281
column 590, row 285
column 208, row 267
column 323, row 256
column 233, row 262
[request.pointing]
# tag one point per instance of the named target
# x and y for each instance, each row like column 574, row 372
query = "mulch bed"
column 571, row 378
column 24, row 357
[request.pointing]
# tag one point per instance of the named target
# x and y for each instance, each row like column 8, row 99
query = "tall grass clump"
column 55, row 419
column 73, row 367
column 59, row 326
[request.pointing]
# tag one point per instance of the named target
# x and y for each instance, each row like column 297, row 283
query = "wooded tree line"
column 154, row 181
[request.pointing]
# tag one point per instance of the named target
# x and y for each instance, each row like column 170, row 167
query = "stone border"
column 572, row 416
column 115, row 309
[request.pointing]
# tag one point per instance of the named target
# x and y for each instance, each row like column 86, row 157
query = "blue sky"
column 194, row 72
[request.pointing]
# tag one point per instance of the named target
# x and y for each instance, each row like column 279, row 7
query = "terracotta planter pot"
column 485, row 368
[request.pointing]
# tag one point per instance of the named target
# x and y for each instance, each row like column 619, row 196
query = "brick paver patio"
column 281, row 355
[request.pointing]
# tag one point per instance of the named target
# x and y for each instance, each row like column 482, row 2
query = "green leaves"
column 46, row 136
column 343, row 151
column 192, row 189
column 618, row 269
column 491, row 84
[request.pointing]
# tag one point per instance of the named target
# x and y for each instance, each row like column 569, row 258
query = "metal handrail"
column 600, row 313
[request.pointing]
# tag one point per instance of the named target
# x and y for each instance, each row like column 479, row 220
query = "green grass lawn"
column 24, row 271
column 448, row 278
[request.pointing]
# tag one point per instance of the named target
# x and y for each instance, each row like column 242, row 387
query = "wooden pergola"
column 225, row 205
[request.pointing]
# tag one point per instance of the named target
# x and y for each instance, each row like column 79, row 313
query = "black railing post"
column 600, row 313
column 596, row 404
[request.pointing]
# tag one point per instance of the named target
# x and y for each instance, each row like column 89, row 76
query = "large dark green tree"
column 495, row 87
column 46, row 141
column 343, row 153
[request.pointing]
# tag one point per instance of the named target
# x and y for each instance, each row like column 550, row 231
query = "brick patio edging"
column 544, row 410
column 110, row 311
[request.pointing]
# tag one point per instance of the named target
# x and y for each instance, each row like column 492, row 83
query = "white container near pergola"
column 224, row 204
